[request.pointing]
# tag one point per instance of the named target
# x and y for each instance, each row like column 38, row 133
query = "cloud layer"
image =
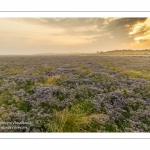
column 38, row 35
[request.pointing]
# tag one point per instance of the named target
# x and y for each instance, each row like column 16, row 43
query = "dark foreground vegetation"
column 75, row 94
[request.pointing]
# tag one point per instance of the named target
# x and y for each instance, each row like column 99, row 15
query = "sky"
column 25, row 36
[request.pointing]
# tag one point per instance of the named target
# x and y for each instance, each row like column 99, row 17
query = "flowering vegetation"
column 75, row 94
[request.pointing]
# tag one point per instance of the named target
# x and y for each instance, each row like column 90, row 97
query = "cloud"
column 76, row 33
column 64, row 22
column 80, row 28
column 122, row 26
column 89, row 26
column 144, row 30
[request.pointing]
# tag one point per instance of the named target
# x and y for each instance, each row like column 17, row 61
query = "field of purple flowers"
column 74, row 94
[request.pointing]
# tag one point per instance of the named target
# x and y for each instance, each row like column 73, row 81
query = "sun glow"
column 138, row 39
column 142, row 39
column 136, row 28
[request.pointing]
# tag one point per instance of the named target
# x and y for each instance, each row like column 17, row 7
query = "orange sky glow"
column 72, row 35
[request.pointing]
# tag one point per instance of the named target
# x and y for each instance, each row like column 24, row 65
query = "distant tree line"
column 125, row 52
